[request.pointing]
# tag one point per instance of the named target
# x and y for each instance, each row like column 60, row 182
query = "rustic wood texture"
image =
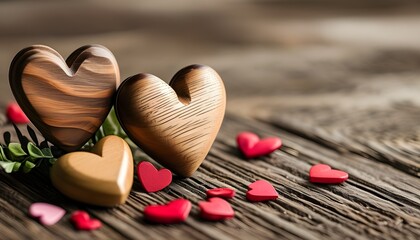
column 337, row 81
column 103, row 177
column 66, row 101
column 378, row 201
column 183, row 117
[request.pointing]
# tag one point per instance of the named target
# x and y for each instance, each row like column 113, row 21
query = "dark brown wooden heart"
column 175, row 124
column 66, row 100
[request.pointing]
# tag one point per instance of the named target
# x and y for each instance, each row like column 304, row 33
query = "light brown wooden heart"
column 175, row 124
column 103, row 177
column 67, row 102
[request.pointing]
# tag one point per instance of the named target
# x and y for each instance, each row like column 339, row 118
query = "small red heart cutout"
column 322, row 173
column 261, row 190
column 252, row 146
column 82, row 221
column 15, row 114
column 174, row 212
column 216, row 209
column 151, row 179
column 221, row 192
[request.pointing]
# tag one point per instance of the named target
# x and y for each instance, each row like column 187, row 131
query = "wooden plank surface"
column 339, row 84
column 378, row 201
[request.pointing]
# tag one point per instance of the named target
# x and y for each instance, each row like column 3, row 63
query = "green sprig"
column 29, row 154
column 26, row 154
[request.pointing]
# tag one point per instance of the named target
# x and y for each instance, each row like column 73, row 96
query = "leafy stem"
column 29, row 154
column 26, row 154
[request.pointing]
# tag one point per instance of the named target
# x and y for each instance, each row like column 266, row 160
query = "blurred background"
column 342, row 75
column 287, row 54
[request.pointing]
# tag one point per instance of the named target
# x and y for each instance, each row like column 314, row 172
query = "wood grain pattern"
column 103, row 177
column 388, row 135
column 69, row 101
column 175, row 124
column 377, row 202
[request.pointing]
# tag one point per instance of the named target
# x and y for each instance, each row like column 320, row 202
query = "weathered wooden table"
column 340, row 86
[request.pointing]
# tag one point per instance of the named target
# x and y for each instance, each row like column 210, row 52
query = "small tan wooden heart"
column 103, row 177
column 67, row 102
column 175, row 124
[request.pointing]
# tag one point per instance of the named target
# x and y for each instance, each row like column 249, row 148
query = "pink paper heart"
column 252, row 146
column 48, row 214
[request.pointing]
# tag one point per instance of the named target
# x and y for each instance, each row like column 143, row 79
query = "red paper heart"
column 151, row 179
column 82, row 221
column 174, row 212
column 15, row 114
column 216, row 209
column 322, row 173
column 251, row 145
column 221, row 192
column 261, row 190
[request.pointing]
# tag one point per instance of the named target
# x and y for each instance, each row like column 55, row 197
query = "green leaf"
column 113, row 119
column 16, row 150
column 16, row 166
column 28, row 166
column 46, row 152
column 109, row 127
column 34, row 151
column 113, row 116
column 3, row 155
column 100, row 133
column 52, row 160
column 7, row 166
